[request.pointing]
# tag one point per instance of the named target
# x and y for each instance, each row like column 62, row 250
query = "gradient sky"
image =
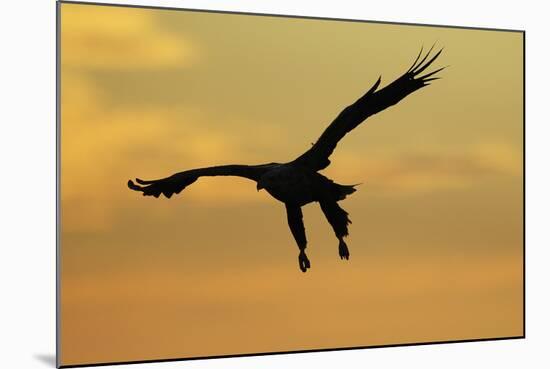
column 436, row 239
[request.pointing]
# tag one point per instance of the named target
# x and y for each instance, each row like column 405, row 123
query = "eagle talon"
column 343, row 250
column 303, row 261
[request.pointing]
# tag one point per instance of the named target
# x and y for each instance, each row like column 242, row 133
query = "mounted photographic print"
column 236, row 184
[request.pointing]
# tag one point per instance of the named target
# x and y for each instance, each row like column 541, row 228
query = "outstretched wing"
column 179, row 181
column 372, row 102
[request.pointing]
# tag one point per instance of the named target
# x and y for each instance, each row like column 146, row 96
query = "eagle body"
column 294, row 184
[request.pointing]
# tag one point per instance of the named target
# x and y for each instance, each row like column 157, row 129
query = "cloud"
column 499, row 156
column 119, row 38
column 416, row 172
column 104, row 145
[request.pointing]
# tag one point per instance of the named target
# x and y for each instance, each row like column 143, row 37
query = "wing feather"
column 178, row 182
column 372, row 102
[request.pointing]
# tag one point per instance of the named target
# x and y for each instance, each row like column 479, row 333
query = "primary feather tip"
column 133, row 186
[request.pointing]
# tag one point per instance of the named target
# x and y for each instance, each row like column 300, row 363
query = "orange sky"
column 436, row 239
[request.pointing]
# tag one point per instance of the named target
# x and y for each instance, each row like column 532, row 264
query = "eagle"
column 298, row 182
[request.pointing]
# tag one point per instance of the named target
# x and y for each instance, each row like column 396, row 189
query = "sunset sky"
column 436, row 240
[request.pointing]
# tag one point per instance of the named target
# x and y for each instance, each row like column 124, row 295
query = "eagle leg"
column 339, row 220
column 296, row 224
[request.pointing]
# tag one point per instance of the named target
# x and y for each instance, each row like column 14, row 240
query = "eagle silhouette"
column 298, row 182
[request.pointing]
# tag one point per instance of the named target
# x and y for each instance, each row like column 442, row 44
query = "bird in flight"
column 298, row 182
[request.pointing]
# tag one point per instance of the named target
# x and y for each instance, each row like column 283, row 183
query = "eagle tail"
column 342, row 191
